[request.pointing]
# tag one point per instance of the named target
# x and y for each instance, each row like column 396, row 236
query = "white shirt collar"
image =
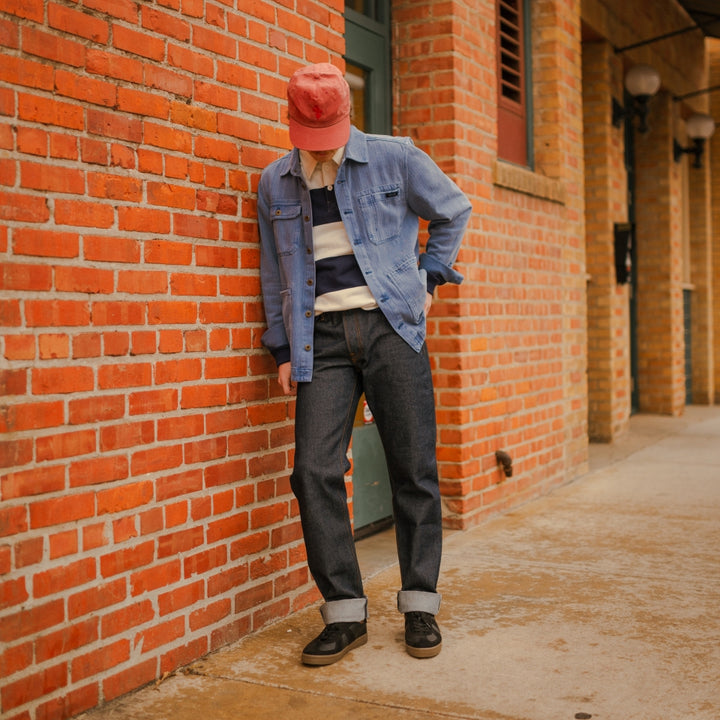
column 310, row 165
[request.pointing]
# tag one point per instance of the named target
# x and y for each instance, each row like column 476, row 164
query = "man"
column 346, row 292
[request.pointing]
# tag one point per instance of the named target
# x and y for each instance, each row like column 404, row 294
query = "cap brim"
column 319, row 139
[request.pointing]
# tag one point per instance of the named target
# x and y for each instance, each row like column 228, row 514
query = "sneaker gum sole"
column 427, row 652
column 317, row 660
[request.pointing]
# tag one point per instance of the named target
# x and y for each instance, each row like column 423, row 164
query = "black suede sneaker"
column 334, row 642
column 422, row 635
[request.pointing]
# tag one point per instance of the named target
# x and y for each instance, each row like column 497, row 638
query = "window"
column 513, row 122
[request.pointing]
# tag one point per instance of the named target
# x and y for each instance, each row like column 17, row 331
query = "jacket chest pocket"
column 287, row 227
column 382, row 212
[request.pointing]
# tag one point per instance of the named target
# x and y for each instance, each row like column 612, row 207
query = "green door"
column 367, row 59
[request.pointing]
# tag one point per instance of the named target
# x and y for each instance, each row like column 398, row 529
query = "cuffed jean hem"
column 350, row 610
column 418, row 601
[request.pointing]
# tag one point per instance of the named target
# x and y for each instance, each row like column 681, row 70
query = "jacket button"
column 308, row 313
column 310, row 282
column 307, row 347
column 307, row 218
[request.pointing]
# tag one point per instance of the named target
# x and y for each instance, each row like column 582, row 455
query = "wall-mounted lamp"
column 699, row 128
column 642, row 82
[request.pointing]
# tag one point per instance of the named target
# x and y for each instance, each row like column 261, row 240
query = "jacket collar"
column 355, row 150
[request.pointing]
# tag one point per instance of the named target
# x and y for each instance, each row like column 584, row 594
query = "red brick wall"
column 146, row 516
column 508, row 345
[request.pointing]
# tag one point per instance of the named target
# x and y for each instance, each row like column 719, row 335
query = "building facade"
column 146, row 516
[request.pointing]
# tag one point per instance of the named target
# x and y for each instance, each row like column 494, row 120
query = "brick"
column 62, row 380
column 153, row 401
column 97, row 597
column 183, row 427
column 99, row 661
column 158, row 576
column 167, row 252
column 28, row 552
column 187, row 59
column 118, row 313
column 12, row 592
column 31, row 416
column 155, row 460
column 78, row 23
column 36, row 481
column 13, row 382
column 225, row 367
column 52, row 47
column 57, row 313
column 52, row 346
column 15, row 452
column 215, row 42
column 50, row 112
column 113, row 65
column 203, row 396
column 179, row 484
column 35, row 176
column 32, row 141
column 86, row 345
column 197, row 226
column 138, row 102
column 88, row 90
column 98, row 470
column 125, row 559
column 78, row 213
column 169, row 81
column 124, row 681
column 58, row 511
column 30, row 621
column 96, row 409
column 124, row 497
column 124, row 375
column 63, row 544
column 126, row 435
column 136, row 219
column 23, row 208
column 184, row 596
column 44, row 243
column 205, row 450
column 114, row 125
column 19, row 347
column 172, row 312
column 59, row 578
column 15, row 659
column 115, row 187
column 211, row 614
column 176, row 196
column 163, row 633
column 229, row 472
column 193, row 284
column 221, row 312
column 138, row 43
column 84, row 280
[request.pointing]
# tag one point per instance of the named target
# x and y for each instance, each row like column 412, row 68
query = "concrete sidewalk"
column 600, row 600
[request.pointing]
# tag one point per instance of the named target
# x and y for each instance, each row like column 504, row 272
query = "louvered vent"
column 511, row 58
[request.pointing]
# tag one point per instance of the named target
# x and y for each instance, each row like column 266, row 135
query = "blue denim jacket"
column 383, row 186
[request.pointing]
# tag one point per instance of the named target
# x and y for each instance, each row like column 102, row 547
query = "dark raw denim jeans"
column 358, row 351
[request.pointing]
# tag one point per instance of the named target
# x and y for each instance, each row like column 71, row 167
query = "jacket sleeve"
column 275, row 337
column 437, row 199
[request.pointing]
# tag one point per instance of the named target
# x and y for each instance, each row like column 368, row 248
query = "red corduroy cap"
column 318, row 108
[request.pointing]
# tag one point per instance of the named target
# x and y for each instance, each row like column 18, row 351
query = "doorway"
column 367, row 70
